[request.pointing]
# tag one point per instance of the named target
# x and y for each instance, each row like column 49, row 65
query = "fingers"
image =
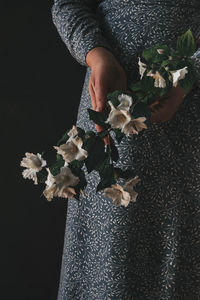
column 101, row 99
column 92, row 96
column 98, row 96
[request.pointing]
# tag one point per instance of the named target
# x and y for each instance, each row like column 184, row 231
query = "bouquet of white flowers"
column 79, row 152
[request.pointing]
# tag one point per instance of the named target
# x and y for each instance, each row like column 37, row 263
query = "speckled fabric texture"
column 149, row 250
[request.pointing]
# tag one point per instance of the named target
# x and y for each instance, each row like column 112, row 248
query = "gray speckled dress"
column 149, row 250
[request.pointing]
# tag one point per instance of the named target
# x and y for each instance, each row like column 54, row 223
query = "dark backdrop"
column 40, row 91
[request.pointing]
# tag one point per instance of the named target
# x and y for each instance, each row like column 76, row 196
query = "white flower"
column 125, row 101
column 66, row 178
column 123, row 195
column 129, row 129
column 50, row 178
column 178, row 75
column 128, row 187
column 160, row 51
column 142, row 67
column 159, row 80
column 72, row 149
column 118, row 117
column 138, row 123
column 34, row 163
column 59, row 185
column 73, row 132
column 118, row 195
column 51, row 188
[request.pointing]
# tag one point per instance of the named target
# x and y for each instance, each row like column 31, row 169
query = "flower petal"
column 50, row 178
column 118, row 195
column 139, row 123
column 30, row 174
column 66, row 178
column 33, row 161
column 142, row 67
column 73, row 132
column 118, row 118
column 125, row 101
column 128, row 129
column 159, row 80
column 178, row 75
column 50, row 192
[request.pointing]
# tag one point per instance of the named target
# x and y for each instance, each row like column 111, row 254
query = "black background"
column 40, row 91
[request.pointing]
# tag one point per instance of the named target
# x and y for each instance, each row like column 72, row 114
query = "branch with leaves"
column 80, row 152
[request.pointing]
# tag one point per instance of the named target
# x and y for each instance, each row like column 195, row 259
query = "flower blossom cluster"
column 159, row 81
column 120, row 117
column 62, row 184
column 72, row 149
column 33, row 164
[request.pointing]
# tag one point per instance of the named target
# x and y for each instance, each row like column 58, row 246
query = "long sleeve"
column 78, row 27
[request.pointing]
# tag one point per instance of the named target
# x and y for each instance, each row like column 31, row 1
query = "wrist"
column 98, row 54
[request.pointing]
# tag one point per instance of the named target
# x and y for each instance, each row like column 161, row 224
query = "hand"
column 164, row 107
column 107, row 75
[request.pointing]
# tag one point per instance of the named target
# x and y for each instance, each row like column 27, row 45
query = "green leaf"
column 135, row 86
column 186, row 44
column 190, row 78
column 76, row 165
column 42, row 175
column 140, row 95
column 98, row 117
column 81, row 132
column 148, row 97
column 147, row 84
column 148, row 54
column 164, row 47
column 106, row 173
column 165, row 63
column 151, row 55
column 58, row 156
column 162, row 91
column 76, row 168
column 113, row 97
column 118, row 135
column 89, row 140
column 112, row 149
column 64, row 138
column 55, row 168
column 81, row 185
column 96, row 150
column 142, row 110
column 103, row 133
